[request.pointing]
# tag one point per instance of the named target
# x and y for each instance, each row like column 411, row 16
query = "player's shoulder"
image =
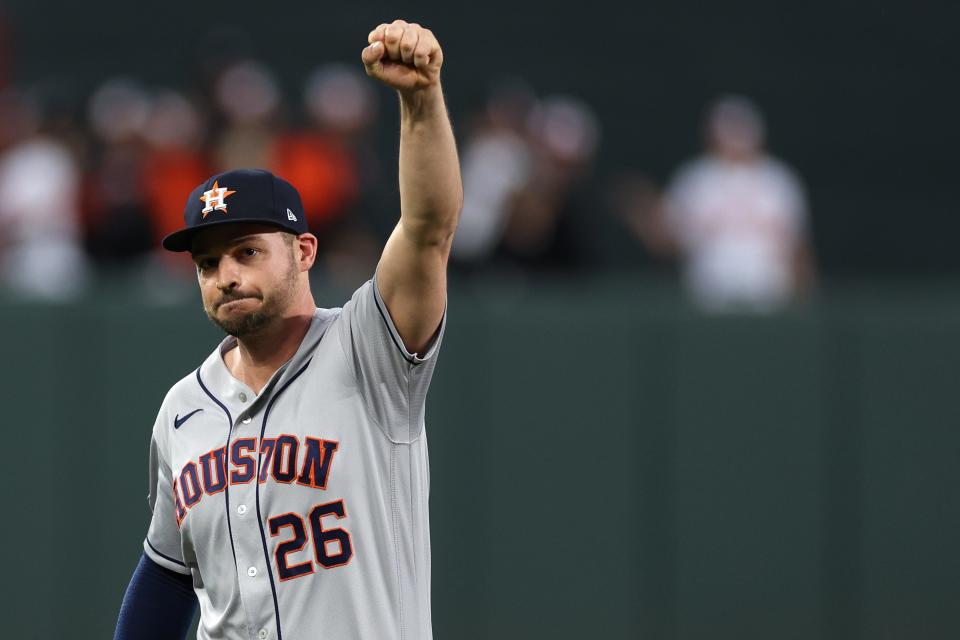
column 355, row 303
column 364, row 289
column 185, row 392
column 189, row 387
column 185, row 385
column 323, row 318
column 185, row 389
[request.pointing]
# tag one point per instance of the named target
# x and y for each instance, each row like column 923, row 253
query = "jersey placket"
column 252, row 569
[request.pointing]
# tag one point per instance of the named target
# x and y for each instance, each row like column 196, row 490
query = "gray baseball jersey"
column 301, row 512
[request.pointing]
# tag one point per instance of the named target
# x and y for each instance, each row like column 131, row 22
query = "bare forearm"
column 412, row 272
column 431, row 193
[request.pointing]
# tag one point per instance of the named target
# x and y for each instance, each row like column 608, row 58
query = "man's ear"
column 305, row 250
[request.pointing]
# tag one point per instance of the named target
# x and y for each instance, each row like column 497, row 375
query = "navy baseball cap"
column 242, row 195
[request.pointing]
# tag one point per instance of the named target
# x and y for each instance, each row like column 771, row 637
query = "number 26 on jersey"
column 331, row 546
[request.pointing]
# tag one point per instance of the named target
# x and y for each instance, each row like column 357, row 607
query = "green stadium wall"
column 606, row 462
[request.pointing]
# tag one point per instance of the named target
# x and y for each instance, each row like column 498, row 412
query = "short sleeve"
column 392, row 380
column 162, row 543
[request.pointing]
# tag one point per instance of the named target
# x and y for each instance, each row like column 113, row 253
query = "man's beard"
column 272, row 308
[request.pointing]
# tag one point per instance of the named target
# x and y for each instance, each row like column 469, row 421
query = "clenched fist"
column 404, row 56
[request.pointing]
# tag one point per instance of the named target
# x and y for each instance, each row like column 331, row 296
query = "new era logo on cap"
column 254, row 196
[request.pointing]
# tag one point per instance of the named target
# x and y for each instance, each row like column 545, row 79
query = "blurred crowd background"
column 92, row 187
column 97, row 156
column 89, row 192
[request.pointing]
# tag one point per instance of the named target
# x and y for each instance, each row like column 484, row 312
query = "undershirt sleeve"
column 159, row 604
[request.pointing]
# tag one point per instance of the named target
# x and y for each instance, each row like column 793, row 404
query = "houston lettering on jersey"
column 284, row 458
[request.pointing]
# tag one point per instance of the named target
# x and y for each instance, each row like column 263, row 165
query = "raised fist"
column 404, row 56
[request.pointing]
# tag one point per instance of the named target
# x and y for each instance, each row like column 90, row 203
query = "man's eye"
column 250, row 252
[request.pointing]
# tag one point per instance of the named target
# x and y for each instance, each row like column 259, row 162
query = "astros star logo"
column 214, row 199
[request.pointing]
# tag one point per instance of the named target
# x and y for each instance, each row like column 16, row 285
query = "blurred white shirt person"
column 40, row 252
column 496, row 164
column 738, row 218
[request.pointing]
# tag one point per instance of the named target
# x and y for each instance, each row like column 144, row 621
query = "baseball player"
column 288, row 473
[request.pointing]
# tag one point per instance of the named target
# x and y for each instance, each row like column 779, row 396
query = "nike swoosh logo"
column 178, row 421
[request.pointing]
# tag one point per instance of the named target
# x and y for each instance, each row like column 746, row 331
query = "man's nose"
column 228, row 275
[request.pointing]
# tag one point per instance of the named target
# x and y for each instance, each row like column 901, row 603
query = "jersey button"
column 242, row 509
column 262, row 634
column 243, row 397
column 252, row 572
column 247, row 420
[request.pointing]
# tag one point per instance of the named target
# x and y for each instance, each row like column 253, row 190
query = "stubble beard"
column 273, row 308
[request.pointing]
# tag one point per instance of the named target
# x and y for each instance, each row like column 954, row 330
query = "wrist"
column 420, row 104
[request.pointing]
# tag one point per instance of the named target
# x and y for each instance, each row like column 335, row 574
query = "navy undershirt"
column 159, row 604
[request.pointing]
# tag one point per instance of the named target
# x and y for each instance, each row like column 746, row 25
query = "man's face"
column 248, row 275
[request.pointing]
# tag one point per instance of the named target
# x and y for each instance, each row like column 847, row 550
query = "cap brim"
column 182, row 240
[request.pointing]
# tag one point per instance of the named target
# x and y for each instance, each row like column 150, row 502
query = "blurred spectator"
column 40, row 252
column 318, row 159
column 174, row 163
column 496, row 164
column 548, row 225
column 738, row 218
column 735, row 217
column 636, row 203
column 118, row 226
column 334, row 167
column 248, row 99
